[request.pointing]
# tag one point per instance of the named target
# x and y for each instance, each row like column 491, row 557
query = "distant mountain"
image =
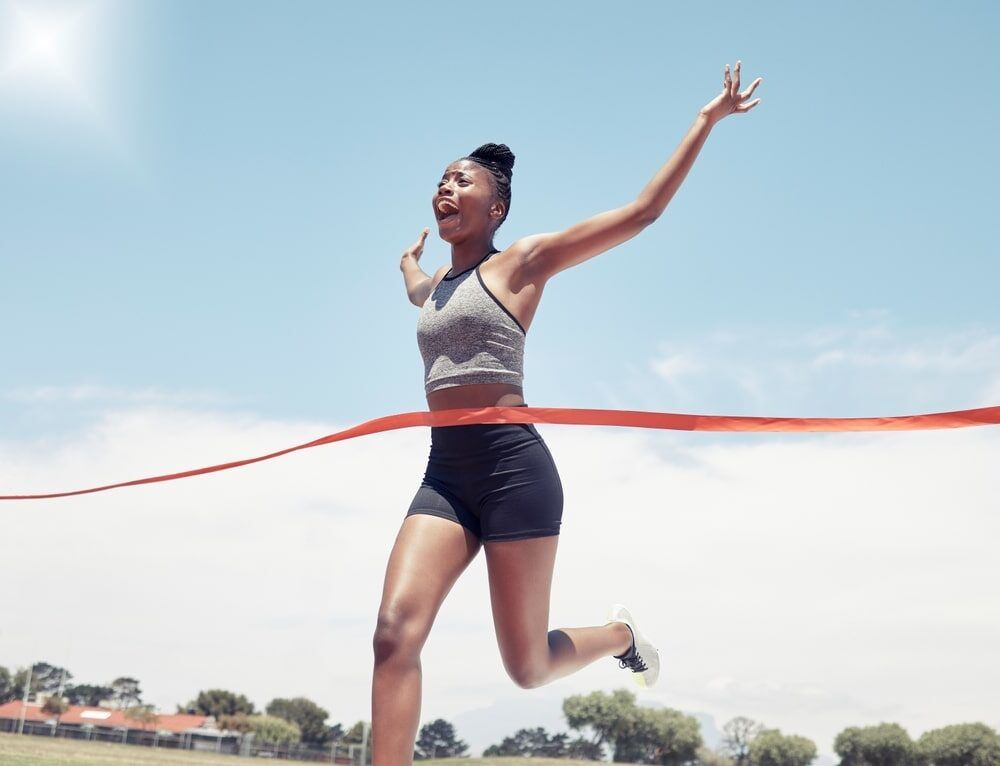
column 489, row 725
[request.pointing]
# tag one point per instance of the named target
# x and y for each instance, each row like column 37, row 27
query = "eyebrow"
column 457, row 172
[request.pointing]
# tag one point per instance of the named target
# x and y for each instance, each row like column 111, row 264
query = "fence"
column 337, row 753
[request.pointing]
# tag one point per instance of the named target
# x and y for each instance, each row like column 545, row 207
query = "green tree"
column 887, row 744
column 49, row 677
column 87, row 694
column 354, row 736
column 607, row 718
column 708, row 757
column 678, row 737
column 125, row 692
column 965, row 744
column 737, row 734
column 437, row 739
column 144, row 715
column 45, row 678
column 636, row 734
column 660, row 735
column 7, row 690
column 532, row 743
column 217, row 702
column 582, row 749
column 57, row 706
column 772, row 748
column 307, row 715
column 278, row 731
column 240, row 722
column 20, row 678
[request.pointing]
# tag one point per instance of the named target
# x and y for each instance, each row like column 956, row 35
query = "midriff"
column 475, row 395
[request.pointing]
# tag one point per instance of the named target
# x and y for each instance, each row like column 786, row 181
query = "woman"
column 496, row 485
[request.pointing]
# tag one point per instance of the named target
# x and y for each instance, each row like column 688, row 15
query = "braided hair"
column 499, row 160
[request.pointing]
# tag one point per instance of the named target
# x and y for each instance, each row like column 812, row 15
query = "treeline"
column 602, row 726
column 282, row 721
column 614, row 725
column 49, row 679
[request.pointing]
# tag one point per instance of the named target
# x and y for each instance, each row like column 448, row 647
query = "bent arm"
column 548, row 254
column 418, row 284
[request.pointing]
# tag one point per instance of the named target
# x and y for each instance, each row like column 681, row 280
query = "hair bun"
column 497, row 154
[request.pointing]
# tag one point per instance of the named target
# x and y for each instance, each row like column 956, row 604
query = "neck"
column 465, row 255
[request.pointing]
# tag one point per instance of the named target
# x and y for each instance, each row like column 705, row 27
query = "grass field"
column 17, row 750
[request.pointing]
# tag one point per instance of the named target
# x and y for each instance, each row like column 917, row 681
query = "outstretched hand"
column 415, row 250
column 731, row 100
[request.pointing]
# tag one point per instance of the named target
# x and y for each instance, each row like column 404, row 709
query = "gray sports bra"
column 467, row 336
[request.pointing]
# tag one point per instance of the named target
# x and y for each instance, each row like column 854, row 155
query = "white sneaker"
column 642, row 658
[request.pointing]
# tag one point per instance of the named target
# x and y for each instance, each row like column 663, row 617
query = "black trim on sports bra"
column 455, row 276
column 497, row 301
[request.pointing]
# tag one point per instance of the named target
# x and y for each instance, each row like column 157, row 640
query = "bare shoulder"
column 514, row 262
column 525, row 246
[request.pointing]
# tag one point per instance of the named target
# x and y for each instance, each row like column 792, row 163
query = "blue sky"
column 203, row 208
column 235, row 226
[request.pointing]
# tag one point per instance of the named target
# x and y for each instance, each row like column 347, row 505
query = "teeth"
column 446, row 208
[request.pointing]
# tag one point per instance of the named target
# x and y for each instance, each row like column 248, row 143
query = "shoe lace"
column 635, row 663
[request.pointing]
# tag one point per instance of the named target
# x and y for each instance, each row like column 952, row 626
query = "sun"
column 48, row 53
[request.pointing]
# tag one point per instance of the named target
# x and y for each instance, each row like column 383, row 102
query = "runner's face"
column 464, row 200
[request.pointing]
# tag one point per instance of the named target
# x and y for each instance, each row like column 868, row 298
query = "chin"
column 449, row 235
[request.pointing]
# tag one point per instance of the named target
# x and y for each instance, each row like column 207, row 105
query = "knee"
column 397, row 638
column 527, row 676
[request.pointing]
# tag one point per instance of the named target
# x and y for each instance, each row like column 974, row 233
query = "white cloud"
column 812, row 582
column 117, row 394
column 956, row 353
column 991, row 392
column 862, row 366
column 870, row 313
column 673, row 366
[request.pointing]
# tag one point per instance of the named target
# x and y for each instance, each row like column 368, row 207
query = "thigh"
column 520, row 574
column 442, row 491
column 524, row 494
column 428, row 556
column 435, row 498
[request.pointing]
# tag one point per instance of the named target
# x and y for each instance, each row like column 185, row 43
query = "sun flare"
column 48, row 54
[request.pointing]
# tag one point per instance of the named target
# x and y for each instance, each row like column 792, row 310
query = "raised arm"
column 418, row 284
column 548, row 254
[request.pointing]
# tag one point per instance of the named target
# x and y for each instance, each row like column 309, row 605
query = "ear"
column 496, row 210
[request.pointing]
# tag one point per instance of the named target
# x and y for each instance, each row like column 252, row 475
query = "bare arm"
column 418, row 284
column 548, row 254
column 652, row 201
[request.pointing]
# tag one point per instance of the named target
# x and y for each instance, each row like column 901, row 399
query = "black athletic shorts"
column 497, row 480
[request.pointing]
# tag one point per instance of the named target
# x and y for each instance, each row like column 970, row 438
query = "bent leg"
column 428, row 556
column 520, row 573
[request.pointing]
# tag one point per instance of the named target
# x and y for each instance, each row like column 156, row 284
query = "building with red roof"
column 182, row 730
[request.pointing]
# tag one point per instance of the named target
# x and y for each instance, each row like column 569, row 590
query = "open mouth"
column 446, row 211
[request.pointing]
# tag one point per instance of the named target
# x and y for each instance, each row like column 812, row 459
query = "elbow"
column 644, row 214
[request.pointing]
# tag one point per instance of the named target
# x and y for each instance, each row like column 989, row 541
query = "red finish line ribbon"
column 568, row 416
